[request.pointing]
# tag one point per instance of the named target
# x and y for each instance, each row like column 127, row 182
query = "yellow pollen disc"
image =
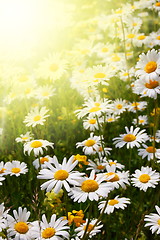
column 61, row 175
column 110, row 119
column 158, row 37
column 89, row 186
column 92, row 121
column 99, row 75
column 48, row 233
column 113, row 202
column 134, row 24
column 158, row 221
column 141, row 121
column 116, row 58
column 131, row 35
column 45, row 94
column 15, row 170
column 135, row 104
column 94, row 109
column 104, row 49
column 23, row 78
column 100, row 167
column 89, row 229
column 97, row 104
column 89, row 143
column 2, row 170
column 152, row 84
column 36, row 144
column 129, row 138
column 119, row 106
column 141, row 37
column 54, row 67
column 112, row 163
column 125, row 74
column 157, row 4
column 36, row 118
column 150, row 67
column 28, row 90
column 119, row 11
column 43, row 159
column 114, row 179
column 21, row 227
column 144, row 178
column 151, row 149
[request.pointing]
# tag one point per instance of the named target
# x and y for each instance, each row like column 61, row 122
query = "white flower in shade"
column 132, row 138
column 113, row 204
column 145, row 178
column 149, row 65
column 53, row 230
column 147, row 88
column 44, row 92
column 92, row 124
column 114, row 162
column 103, row 151
column 156, row 138
column 149, row 152
column 92, row 188
column 153, row 221
column 119, row 106
column 116, row 179
column 137, row 106
column 24, row 137
column 37, row 146
column 91, row 145
column 16, row 168
column 40, row 162
column 3, row 169
column 3, row 215
column 60, row 176
column 36, row 116
column 90, row 229
column 98, row 165
column 142, row 120
column 19, row 227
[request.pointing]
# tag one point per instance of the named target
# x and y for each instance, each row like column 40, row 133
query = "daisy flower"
column 16, row 168
column 92, row 188
column 36, row 116
column 19, row 227
column 147, row 88
column 137, row 106
column 119, row 106
column 91, row 145
column 141, row 39
column 142, row 120
column 156, row 138
column 92, row 231
column 111, row 162
column 60, row 175
column 111, row 118
column 91, row 123
column 113, row 204
column 132, row 138
column 3, row 169
column 153, row 221
column 149, row 152
column 53, row 230
column 145, row 178
column 98, row 165
column 37, row 146
column 149, row 65
column 100, row 74
column 40, row 162
column 3, row 215
column 24, row 137
column 44, row 92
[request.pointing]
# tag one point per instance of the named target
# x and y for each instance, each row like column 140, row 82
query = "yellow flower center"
column 28, row 90
column 43, row 159
column 119, row 106
column 94, row 109
column 158, row 221
column 21, row 227
column 61, row 175
column 114, row 179
column 89, row 186
column 141, row 37
column 135, row 104
column 131, row 35
column 150, row 67
column 99, row 75
column 36, row 118
column 113, row 202
column 48, row 233
column 152, row 84
column 134, row 24
column 92, row 121
column 144, row 178
column 23, row 78
column 45, row 94
column 157, row 4
column 97, row 104
column 16, row 170
column 104, row 49
column 36, row 144
column 125, row 74
column 141, row 121
column 116, row 58
column 110, row 119
column 89, row 143
column 112, row 163
column 89, row 228
column 151, row 149
column 158, row 37
column 2, row 170
column 54, row 67
column 100, row 167
column 24, row 138
column 129, row 138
